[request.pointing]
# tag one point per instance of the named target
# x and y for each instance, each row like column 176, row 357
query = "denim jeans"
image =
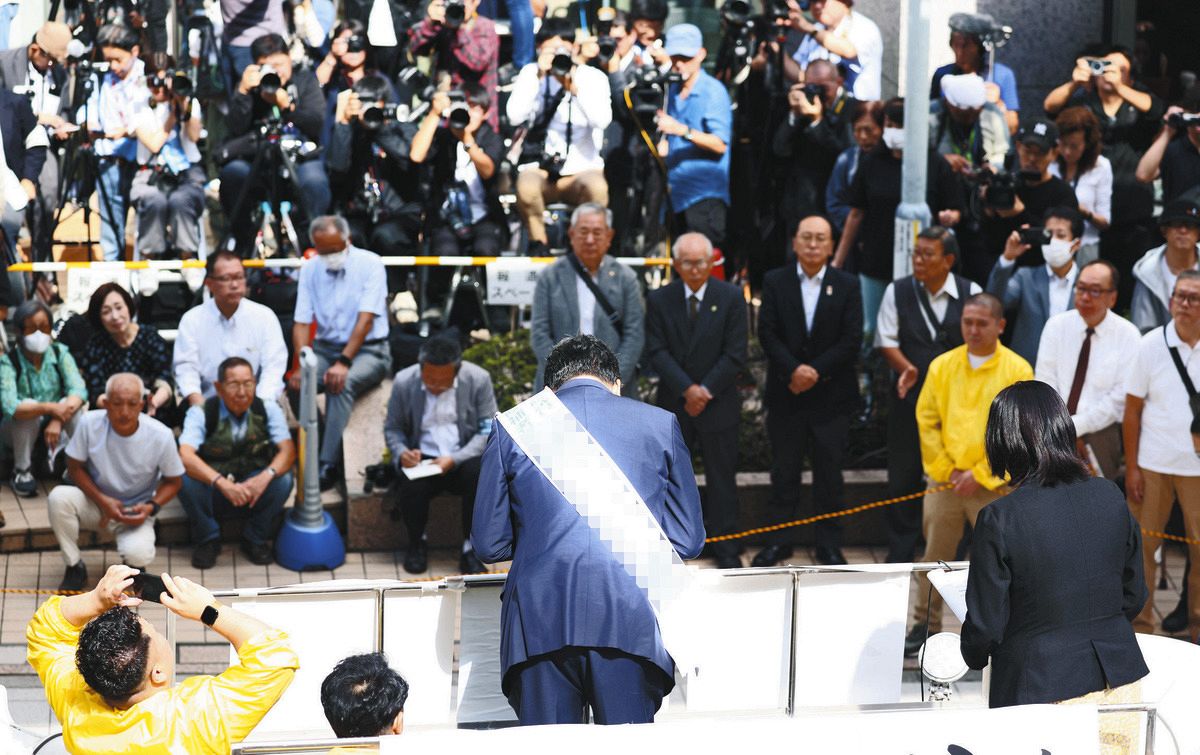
column 113, row 184
column 204, row 506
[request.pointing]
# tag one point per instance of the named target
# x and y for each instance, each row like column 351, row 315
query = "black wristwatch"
column 208, row 616
column 343, row 359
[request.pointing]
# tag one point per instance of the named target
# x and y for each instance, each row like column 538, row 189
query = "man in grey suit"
column 438, row 421
column 1033, row 295
column 696, row 340
column 588, row 292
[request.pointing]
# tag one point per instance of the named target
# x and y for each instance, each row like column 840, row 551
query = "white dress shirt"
column 1165, row 445
column 1094, row 191
column 587, row 307
column 810, row 292
column 117, row 104
column 1102, row 400
column 1061, row 289
column 439, row 422
column 887, row 325
column 206, row 338
column 589, row 113
column 699, row 294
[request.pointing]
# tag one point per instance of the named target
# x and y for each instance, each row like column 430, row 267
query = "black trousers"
column 706, row 216
column 414, row 496
column 905, row 475
column 823, row 441
column 719, row 449
column 559, row 687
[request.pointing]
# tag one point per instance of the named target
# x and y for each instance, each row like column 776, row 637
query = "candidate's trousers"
column 371, row 365
column 1152, row 513
column 71, row 511
column 558, row 687
column 414, row 496
column 943, row 518
column 719, row 449
column 905, row 476
column 205, row 506
column 824, row 441
column 535, row 189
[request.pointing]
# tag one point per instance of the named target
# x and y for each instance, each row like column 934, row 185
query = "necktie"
column 693, row 307
column 1085, row 352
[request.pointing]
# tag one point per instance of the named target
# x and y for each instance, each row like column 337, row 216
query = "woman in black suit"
column 1056, row 565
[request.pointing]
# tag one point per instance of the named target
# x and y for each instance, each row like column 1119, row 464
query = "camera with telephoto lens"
column 649, row 91
column 177, row 81
column 456, row 13
column 1098, row 65
column 562, row 62
column 778, row 10
column 458, row 116
column 735, row 12
column 1184, row 120
column 606, row 48
column 356, row 43
column 1035, row 236
column 374, row 116
column 269, row 82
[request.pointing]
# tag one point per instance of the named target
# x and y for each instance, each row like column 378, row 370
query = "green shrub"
column 509, row 359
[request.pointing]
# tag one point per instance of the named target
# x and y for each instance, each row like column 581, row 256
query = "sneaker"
column 75, row 578
column 258, row 553
column 23, row 483
column 204, row 555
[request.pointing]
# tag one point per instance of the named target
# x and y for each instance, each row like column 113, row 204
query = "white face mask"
column 335, row 260
column 1058, row 252
column 893, row 138
column 37, row 342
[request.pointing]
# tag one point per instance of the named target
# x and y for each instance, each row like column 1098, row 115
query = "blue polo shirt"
column 335, row 297
column 694, row 173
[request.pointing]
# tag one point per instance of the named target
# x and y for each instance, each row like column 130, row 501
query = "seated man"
column 108, row 674
column 441, row 409
column 125, row 468
column 344, row 289
column 364, row 697
column 238, row 454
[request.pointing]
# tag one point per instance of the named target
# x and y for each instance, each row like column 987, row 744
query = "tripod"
column 274, row 163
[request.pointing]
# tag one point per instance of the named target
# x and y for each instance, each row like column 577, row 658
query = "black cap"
column 1039, row 133
column 1180, row 211
column 651, row 10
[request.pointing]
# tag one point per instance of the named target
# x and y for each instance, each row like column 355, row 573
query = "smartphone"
column 148, row 587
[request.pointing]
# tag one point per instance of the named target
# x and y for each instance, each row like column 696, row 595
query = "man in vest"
column 918, row 320
column 238, row 455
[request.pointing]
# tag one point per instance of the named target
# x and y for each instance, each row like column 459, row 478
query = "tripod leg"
column 239, row 205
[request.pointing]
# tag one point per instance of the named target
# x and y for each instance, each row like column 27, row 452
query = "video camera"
column 648, row 93
column 356, row 43
column 982, row 26
column 606, row 44
column 177, row 81
column 1184, row 120
column 1001, row 188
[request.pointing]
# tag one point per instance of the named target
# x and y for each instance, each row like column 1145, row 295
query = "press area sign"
column 512, row 281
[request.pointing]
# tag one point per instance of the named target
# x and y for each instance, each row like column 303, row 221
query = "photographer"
column 835, row 32
column 966, row 129
column 465, row 153
column 370, row 170
column 244, row 21
column 168, row 188
column 567, row 107
column 808, row 142
column 1175, row 154
column 347, row 60
column 270, row 91
column 697, row 129
column 114, row 113
column 462, row 44
column 967, row 34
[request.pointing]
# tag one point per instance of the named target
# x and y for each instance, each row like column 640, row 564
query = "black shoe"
column 469, row 563
column 417, row 559
column 258, row 553
column 728, row 561
column 538, row 249
column 914, row 640
column 772, row 555
column 328, row 476
column 204, row 555
column 827, row 556
column 75, row 578
column 1176, row 622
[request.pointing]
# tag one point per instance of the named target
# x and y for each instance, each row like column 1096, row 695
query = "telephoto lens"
column 456, row 13
column 356, row 43
column 562, row 63
column 269, row 83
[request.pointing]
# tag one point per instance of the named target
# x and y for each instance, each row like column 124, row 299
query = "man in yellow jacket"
column 952, row 413
column 108, row 673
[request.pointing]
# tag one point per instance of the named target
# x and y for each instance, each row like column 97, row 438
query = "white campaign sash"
column 577, row 466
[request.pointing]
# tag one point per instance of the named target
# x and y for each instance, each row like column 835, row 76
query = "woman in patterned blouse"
column 120, row 344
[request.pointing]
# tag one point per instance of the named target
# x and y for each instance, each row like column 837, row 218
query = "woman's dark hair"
column 374, row 87
column 121, row 37
column 581, row 355
column 112, row 654
column 97, row 303
column 1031, row 438
column 872, row 109
column 363, row 695
column 352, row 25
column 1081, row 120
column 893, row 110
column 267, row 44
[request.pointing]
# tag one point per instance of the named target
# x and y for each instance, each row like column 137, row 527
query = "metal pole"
column 913, row 214
column 309, row 513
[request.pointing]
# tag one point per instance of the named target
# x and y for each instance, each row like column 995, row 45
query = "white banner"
column 511, row 281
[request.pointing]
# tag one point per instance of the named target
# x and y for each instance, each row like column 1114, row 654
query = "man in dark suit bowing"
column 810, row 326
column 579, row 488
column 696, row 340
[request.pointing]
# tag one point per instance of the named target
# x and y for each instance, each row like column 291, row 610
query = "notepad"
column 427, row 468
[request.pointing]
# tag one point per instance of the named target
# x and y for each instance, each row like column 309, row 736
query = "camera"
column 269, row 82
column 1001, row 188
column 177, row 81
column 606, row 48
column 356, row 43
column 373, row 116
column 562, row 62
column 379, row 475
column 649, row 91
column 1036, row 236
column 456, row 13
column 1184, row 120
column 457, row 115
column 735, row 12
column 1098, row 65
column 778, row 9
column 814, row 92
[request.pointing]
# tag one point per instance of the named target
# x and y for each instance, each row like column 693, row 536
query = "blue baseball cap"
column 684, row 41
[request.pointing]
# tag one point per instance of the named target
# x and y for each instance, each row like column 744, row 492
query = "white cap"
column 966, row 91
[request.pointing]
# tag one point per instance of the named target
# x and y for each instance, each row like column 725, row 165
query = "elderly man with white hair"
column 125, row 468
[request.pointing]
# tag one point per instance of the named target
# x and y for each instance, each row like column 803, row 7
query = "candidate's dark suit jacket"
column 830, row 343
column 565, row 587
column 1055, row 581
column 710, row 351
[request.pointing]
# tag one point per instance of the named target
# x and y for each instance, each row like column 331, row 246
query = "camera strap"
column 1193, row 396
column 609, row 310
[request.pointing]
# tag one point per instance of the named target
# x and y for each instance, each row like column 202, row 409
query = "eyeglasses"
column 1191, row 300
column 228, row 278
column 925, row 254
column 238, row 386
column 694, row 264
column 1091, row 292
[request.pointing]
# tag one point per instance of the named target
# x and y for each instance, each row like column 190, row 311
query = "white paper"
column 512, row 281
column 952, row 586
column 425, row 469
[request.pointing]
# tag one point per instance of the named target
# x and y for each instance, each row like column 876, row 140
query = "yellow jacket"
column 200, row 715
column 952, row 411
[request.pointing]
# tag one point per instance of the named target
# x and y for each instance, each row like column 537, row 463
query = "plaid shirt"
column 469, row 55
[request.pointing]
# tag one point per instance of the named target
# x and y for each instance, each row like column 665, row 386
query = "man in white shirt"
column 440, row 415
column 840, row 35
column 228, row 325
column 1034, row 294
column 572, row 104
column 1162, row 438
column 1084, row 354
